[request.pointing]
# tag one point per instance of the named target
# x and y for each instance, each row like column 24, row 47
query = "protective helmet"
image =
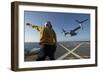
column 48, row 23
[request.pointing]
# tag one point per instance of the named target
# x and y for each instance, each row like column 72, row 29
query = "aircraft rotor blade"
column 77, row 21
column 84, row 21
column 76, row 29
column 81, row 21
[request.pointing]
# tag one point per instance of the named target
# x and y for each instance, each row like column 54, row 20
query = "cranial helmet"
column 48, row 23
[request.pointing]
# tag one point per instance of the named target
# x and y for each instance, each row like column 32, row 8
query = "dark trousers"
column 46, row 50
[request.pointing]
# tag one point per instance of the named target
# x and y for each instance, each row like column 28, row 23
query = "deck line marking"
column 70, row 51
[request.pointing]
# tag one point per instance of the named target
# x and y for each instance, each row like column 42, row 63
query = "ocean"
column 31, row 45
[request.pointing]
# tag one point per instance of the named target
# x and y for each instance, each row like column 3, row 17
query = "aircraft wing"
column 76, row 29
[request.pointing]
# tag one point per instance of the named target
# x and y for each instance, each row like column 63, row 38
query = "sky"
column 59, row 20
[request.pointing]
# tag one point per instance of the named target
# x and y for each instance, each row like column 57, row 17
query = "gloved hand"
column 28, row 24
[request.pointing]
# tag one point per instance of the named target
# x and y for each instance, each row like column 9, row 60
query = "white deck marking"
column 70, row 51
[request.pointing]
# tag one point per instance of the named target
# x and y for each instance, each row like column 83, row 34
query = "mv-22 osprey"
column 73, row 32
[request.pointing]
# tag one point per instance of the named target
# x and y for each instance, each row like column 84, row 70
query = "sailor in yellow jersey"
column 48, row 41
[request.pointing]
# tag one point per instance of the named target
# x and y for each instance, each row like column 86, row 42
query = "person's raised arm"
column 38, row 28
